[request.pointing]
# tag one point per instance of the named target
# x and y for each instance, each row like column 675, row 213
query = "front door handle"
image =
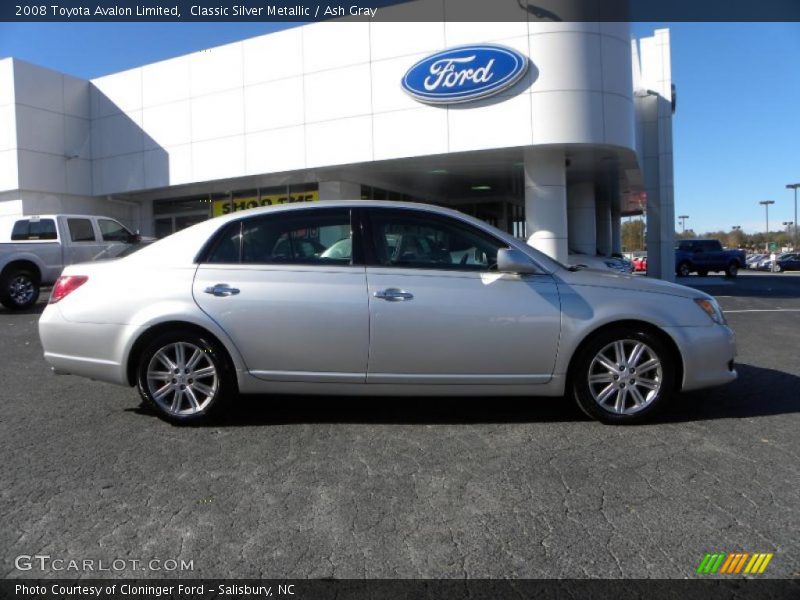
column 221, row 290
column 394, row 295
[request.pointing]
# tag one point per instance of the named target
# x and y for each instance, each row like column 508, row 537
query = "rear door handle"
column 221, row 290
column 394, row 295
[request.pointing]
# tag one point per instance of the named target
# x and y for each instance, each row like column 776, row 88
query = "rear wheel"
column 622, row 376
column 684, row 270
column 19, row 289
column 777, row 268
column 702, row 273
column 184, row 377
column 732, row 270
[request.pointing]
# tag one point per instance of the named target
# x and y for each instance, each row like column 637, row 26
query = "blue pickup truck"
column 707, row 256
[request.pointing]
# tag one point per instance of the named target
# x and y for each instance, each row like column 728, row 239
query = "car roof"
column 54, row 216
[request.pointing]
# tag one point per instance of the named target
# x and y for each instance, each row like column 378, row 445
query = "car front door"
column 295, row 309
column 440, row 314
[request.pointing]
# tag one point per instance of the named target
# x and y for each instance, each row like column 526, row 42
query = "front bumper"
column 708, row 355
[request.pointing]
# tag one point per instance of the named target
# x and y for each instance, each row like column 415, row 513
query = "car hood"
column 611, row 279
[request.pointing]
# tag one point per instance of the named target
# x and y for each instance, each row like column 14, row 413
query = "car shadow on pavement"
column 758, row 392
column 36, row 309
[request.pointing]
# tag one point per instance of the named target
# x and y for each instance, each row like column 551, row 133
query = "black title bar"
column 400, row 10
column 400, row 589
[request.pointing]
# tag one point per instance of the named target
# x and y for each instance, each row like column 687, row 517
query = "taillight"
column 65, row 285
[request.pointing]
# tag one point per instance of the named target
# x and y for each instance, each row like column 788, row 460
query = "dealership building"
column 572, row 136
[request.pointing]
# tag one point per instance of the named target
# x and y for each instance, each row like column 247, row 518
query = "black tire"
column 684, row 269
column 702, row 273
column 732, row 270
column 590, row 396
column 199, row 398
column 19, row 289
column 776, row 268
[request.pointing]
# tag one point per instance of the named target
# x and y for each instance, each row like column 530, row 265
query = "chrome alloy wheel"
column 21, row 289
column 625, row 377
column 182, row 379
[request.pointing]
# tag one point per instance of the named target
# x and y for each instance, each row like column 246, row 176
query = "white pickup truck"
column 34, row 250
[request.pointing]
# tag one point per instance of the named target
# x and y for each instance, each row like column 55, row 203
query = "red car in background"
column 640, row 263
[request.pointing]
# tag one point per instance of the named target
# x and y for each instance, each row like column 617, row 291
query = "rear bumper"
column 92, row 350
column 708, row 355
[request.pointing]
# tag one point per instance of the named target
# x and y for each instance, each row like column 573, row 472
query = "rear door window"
column 34, row 229
column 80, row 230
column 309, row 237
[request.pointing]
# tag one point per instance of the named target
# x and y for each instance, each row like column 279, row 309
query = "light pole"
column 682, row 219
column 766, row 204
column 794, row 186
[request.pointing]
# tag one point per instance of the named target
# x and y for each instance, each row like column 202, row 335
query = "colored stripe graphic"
column 754, row 563
column 727, row 564
column 734, row 563
column 702, row 566
column 740, row 564
column 764, row 564
column 718, row 562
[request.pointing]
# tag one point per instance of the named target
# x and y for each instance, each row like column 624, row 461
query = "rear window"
column 34, row 229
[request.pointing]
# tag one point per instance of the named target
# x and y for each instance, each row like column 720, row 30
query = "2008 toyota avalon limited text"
column 380, row 298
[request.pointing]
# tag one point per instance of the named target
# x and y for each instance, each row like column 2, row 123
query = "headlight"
column 712, row 309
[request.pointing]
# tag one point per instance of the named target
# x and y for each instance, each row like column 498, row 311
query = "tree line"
column 633, row 237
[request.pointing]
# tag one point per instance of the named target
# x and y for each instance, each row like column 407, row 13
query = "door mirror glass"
column 511, row 260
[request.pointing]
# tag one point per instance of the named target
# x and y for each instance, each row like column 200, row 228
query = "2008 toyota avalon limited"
column 380, row 298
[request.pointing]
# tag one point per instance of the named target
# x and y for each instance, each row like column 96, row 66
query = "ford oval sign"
column 465, row 73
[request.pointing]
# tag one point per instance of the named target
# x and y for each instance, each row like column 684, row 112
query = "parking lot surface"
column 327, row 487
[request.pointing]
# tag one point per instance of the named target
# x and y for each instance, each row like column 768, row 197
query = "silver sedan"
column 380, row 298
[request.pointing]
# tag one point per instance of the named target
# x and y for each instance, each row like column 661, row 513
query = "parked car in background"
column 764, row 263
column 398, row 299
column 35, row 248
column 613, row 263
column 707, row 256
column 789, row 261
column 752, row 260
column 640, row 263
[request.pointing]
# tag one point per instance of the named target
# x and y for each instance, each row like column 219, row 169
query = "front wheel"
column 19, row 289
column 732, row 270
column 622, row 376
column 184, row 377
column 777, row 268
column 684, row 270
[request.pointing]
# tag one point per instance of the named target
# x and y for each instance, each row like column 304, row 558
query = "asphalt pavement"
column 419, row 488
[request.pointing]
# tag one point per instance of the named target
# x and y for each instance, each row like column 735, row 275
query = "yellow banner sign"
column 224, row 207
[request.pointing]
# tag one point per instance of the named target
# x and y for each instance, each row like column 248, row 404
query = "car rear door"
column 82, row 242
column 293, row 313
column 440, row 315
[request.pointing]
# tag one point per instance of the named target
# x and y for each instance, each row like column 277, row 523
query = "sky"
column 736, row 129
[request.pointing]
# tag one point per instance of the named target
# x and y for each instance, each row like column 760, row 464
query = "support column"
column 616, row 224
column 581, row 222
column 603, row 221
column 339, row 190
column 546, row 202
column 145, row 220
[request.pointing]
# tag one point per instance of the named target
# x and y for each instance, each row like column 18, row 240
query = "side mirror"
column 511, row 260
column 134, row 238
